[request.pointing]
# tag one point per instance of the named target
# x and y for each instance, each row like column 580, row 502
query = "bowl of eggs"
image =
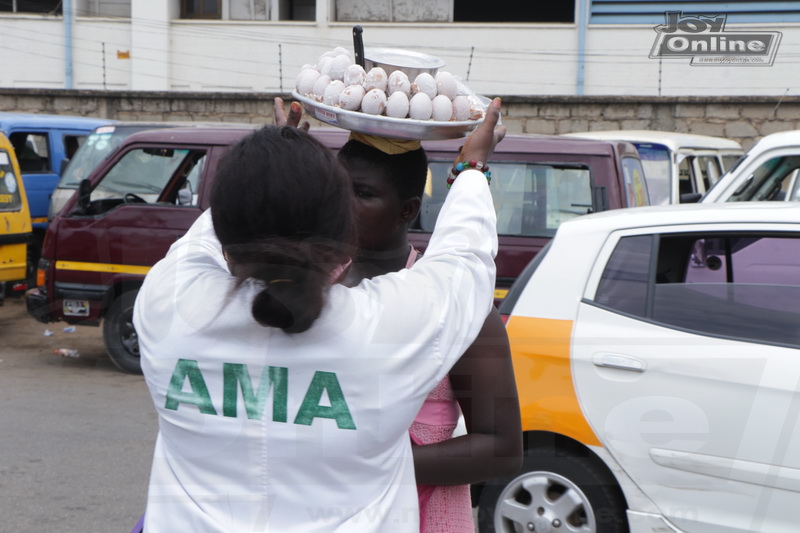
column 399, row 94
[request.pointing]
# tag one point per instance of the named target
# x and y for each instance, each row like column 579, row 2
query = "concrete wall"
column 167, row 53
column 739, row 118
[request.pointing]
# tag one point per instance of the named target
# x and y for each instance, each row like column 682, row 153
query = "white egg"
column 398, row 81
column 374, row 102
column 376, row 79
column 461, row 108
column 332, row 92
column 319, row 87
column 351, row 97
column 420, row 107
column 336, row 66
column 442, row 108
column 354, row 75
column 397, row 105
column 341, row 51
column 424, row 83
column 324, row 58
column 306, row 80
column 446, row 84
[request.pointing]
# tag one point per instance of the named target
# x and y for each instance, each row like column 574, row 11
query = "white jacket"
column 262, row 431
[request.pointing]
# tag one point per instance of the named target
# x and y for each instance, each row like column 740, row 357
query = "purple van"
column 149, row 191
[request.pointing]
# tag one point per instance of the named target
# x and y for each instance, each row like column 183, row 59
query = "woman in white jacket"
column 284, row 399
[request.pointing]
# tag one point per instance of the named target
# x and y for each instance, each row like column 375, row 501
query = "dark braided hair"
column 282, row 209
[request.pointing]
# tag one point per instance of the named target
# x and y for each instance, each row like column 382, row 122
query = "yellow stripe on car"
column 540, row 350
column 102, row 267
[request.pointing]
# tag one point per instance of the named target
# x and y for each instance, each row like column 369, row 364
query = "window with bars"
column 452, row 11
column 45, row 7
column 201, row 9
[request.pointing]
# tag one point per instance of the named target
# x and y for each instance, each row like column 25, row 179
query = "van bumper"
column 38, row 305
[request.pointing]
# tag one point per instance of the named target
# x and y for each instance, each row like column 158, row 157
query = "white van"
column 768, row 171
column 678, row 167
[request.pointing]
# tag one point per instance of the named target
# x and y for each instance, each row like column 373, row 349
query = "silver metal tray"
column 396, row 128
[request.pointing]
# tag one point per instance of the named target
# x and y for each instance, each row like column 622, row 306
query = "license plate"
column 76, row 307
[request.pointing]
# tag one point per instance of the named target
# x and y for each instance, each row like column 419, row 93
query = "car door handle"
column 621, row 362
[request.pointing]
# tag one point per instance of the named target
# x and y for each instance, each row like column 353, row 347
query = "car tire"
column 122, row 343
column 537, row 498
column 34, row 252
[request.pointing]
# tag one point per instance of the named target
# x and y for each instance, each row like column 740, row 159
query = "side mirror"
column 690, row 198
column 84, row 195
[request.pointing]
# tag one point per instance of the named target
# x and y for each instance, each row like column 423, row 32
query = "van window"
column 531, row 200
column 32, row 152
column 93, row 150
column 775, row 179
column 635, row 186
column 710, row 170
column 146, row 172
column 687, row 184
column 735, row 285
column 729, row 161
column 10, row 199
column 71, row 144
column 657, row 171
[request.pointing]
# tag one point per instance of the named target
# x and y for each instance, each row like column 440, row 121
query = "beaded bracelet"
column 464, row 165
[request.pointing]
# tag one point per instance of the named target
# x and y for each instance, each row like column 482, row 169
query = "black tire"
column 32, row 261
column 122, row 343
column 534, row 498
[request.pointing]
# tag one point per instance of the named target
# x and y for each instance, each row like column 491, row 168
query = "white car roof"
column 777, row 140
column 668, row 138
column 678, row 214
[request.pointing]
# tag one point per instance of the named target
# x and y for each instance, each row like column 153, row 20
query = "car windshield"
column 97, row 146
column 656, row 163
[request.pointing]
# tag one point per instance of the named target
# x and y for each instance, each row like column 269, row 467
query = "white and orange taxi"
column 657, row 357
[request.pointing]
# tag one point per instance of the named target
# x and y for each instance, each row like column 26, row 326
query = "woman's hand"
column 481, row 142
column 293, row 119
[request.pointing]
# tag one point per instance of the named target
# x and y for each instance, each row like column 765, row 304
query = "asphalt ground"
column 76, row 434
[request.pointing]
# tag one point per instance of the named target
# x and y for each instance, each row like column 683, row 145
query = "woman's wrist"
column 468, row 165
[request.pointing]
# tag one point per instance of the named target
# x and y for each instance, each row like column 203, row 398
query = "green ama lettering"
column 236, row 377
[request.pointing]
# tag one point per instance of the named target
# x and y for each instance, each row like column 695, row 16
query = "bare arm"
column 483, row 382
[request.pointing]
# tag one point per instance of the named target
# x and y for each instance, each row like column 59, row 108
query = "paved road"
column 76, row 434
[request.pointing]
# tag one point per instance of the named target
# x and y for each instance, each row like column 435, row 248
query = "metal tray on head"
column 383, row 126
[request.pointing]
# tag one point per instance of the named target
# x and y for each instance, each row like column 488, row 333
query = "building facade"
column 572, row 47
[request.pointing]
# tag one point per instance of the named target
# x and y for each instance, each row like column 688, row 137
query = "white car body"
column 768, row 171
column 662, row 344
column 676, row 164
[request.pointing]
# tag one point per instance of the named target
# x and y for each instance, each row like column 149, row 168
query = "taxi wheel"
column 554, row 492
column 122, row 343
